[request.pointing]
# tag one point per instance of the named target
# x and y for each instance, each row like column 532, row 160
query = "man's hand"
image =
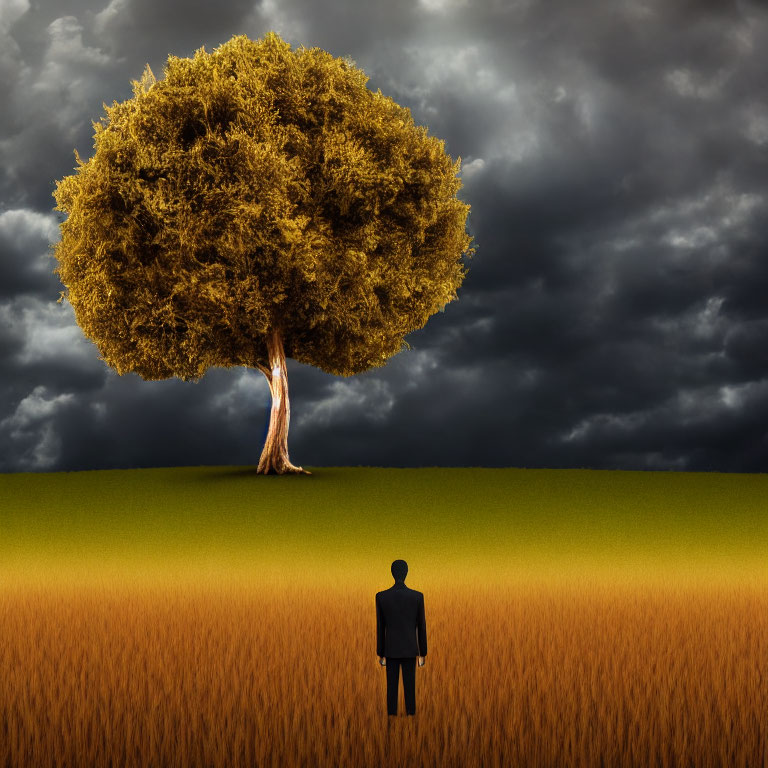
column 383, row 661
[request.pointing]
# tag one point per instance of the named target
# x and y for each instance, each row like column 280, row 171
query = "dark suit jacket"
column 401, row 629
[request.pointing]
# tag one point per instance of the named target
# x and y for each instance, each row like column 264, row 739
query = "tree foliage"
column 256, row 189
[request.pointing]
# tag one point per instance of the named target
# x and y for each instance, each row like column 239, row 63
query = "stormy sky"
column 615, row 314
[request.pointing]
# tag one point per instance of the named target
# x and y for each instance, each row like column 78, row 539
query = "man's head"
column 399, row 570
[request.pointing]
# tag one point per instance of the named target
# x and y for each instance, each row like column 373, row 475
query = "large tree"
column 257, row 204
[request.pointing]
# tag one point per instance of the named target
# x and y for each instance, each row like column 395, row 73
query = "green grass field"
column 477, row 525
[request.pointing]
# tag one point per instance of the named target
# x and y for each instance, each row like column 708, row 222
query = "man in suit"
column 401, row 636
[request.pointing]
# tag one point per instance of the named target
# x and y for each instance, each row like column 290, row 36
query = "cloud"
column 358, row 400
column 68, row 78
column 11, row 11
column 48, row 334
column 613, row 316
column 139, row 31
column 109, row 19
column 32, row 432
column 26, row 264
column 50, row 102
column 11, row 66
column 442, row 6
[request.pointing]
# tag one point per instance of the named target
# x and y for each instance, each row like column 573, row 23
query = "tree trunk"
column 274, row 457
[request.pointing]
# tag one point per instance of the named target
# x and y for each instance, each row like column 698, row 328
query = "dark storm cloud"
column 26, row 265
column 145, row 30
column 614, row 154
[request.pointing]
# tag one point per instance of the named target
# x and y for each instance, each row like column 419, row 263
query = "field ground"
column 209, row 616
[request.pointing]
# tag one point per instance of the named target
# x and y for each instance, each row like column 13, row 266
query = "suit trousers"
column 409, row 683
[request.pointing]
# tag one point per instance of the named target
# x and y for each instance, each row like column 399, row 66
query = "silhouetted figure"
column 401, row 636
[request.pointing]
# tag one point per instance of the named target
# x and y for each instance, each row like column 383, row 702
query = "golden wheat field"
column 238, row 674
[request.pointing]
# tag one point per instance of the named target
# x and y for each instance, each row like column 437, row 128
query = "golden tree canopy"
column 252, row 189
